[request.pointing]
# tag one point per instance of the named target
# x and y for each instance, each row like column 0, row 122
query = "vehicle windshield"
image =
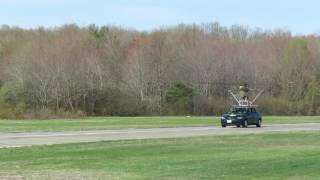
column 239, row 110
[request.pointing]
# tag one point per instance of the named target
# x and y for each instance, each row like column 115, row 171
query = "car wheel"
column 259, row 123
column 223, row 126
column 245, row 124
column 238, row 125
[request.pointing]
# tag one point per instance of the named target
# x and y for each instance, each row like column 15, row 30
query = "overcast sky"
column 300, row 17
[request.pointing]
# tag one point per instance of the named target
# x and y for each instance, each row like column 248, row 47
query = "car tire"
column 223, row 126
column 238, row 125
column 245, row 124
column 259, row 123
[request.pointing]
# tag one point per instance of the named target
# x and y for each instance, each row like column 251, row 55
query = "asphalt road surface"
column 48, row 138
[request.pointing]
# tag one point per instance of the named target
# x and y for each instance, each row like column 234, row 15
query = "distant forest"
column 182, row 70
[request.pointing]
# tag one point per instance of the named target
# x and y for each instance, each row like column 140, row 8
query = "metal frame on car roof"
column 245, row 102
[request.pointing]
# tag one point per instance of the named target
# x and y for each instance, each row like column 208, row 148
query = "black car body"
column 241, row 116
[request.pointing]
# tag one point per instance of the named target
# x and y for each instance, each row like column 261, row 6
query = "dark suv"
column 241, row 116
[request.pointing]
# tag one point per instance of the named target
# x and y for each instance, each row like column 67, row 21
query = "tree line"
column 180, row 70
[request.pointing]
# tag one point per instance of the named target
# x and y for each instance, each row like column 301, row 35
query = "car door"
column 254, row 116
column 251, row 119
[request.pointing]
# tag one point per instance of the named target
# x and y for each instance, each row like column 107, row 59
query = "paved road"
column 47, row 138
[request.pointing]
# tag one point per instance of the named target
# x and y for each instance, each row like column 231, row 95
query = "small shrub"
column 179, row 99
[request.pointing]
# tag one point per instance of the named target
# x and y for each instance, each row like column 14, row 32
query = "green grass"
column 290, row 119
column 263, row 156
column 91, row 123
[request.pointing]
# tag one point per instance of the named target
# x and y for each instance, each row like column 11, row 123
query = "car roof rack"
column 245, row 102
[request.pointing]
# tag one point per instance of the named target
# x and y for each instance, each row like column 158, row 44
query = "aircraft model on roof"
column 242, row 97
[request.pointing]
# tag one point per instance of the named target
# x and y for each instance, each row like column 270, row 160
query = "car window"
column 240, row 110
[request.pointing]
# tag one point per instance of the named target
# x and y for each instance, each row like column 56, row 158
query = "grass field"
column 91, row 123
column 263, row 156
